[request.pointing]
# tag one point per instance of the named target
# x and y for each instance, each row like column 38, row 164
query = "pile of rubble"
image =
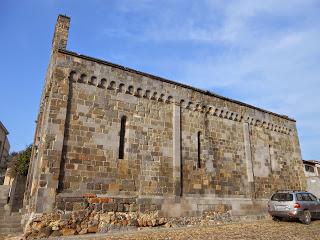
column 207, row 219
column 93, row 220
column 89, row 221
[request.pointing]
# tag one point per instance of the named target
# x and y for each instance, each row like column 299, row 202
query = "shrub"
column 19, row 162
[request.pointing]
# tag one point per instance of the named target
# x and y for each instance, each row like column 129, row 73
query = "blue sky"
column 265, row 53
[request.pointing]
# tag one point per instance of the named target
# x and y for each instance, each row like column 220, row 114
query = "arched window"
column 199, row 149
column 122, row 135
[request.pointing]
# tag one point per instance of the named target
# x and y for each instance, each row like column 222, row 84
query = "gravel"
column 262, row 229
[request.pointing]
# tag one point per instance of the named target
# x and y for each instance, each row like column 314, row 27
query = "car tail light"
column 297, row 205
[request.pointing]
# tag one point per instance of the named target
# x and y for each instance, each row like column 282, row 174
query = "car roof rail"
column 291, row 190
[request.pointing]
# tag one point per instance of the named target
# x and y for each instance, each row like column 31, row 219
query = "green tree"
column 19, row 162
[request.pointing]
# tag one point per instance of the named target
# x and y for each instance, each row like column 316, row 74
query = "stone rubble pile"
column 92, row 221
column 208, row 218
column 89, row 221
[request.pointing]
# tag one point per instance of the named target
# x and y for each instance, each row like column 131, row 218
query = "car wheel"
column 275, row 218
column 306, row 217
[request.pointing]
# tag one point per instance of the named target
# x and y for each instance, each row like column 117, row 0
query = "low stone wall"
column 89, row 221
column 17, row 191
column 4, row 193
column 196, row 206
column 105, row 203
column 192, row 205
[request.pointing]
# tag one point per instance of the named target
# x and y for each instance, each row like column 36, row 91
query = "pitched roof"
column 313, row 162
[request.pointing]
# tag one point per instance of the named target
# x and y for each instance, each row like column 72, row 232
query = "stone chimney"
column 61, row 32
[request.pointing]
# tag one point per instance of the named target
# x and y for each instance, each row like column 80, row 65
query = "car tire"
column 306, row 217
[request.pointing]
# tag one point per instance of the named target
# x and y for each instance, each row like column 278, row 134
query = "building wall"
column 94, row 132
column 313, row 178
column 245, row 152
column 4, row 152
column 91, row 147
column 313, row 185
column 221, row 170
column 313, row 166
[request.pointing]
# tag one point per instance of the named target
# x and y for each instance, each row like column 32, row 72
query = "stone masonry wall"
column 101, row 94
column 221, row 171
column 91, row 148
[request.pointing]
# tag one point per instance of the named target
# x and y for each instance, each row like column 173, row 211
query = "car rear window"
column 282, row 197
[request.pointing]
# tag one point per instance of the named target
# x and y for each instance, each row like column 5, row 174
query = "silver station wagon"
column 295, row 205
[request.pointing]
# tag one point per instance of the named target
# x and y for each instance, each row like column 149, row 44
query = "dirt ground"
column 262, row 229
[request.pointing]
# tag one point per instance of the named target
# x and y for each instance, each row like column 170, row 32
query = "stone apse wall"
column 184, row 150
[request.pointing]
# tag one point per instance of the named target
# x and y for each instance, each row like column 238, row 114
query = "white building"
column 312, row 172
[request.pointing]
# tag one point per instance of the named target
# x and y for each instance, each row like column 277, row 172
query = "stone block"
column 93, row 200
column 60, row 205
column 109, row 207
column 69, row 206
column 105, row 200
column 120, row 207
column 126, row 207
column 114, row 187
column 97, row 207
column 68, row 231
column 79, row 206
column 92, row 229
column 133, row 207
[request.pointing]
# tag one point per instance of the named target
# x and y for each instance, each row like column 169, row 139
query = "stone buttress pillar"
column 50, row 155
column 177, row 149
column 248, row 158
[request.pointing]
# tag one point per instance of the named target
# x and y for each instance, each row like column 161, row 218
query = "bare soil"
column 263, row 229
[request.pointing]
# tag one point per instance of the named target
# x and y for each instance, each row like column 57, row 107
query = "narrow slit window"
column 122, row 135
column 199, row 149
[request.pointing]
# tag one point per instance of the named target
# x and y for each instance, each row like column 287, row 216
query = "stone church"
column 149, row 143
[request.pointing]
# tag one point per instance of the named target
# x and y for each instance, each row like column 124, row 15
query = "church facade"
column 148, row 143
